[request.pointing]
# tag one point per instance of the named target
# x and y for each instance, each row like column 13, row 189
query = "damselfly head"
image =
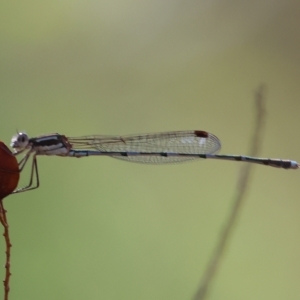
column 19, row 141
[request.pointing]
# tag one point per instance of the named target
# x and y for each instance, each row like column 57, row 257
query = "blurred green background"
column 99, row 228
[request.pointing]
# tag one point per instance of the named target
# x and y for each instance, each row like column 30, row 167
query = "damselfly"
column 153, row 148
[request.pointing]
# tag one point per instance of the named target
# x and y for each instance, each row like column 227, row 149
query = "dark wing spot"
column 201, row 134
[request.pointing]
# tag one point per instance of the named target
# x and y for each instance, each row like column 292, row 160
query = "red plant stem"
column 9, row 177
column 3, row 220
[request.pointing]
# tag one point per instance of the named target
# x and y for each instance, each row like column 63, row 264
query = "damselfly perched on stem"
column 153, row 148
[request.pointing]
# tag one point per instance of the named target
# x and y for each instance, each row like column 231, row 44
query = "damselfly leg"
column 33, row 173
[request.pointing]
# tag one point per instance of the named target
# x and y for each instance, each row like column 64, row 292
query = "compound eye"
column 19, row 141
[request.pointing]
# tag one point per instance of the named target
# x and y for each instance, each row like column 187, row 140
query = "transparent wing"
column 187, row 142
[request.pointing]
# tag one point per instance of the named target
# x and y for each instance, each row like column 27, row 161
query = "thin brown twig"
column 3, row 221
column 238, row 201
